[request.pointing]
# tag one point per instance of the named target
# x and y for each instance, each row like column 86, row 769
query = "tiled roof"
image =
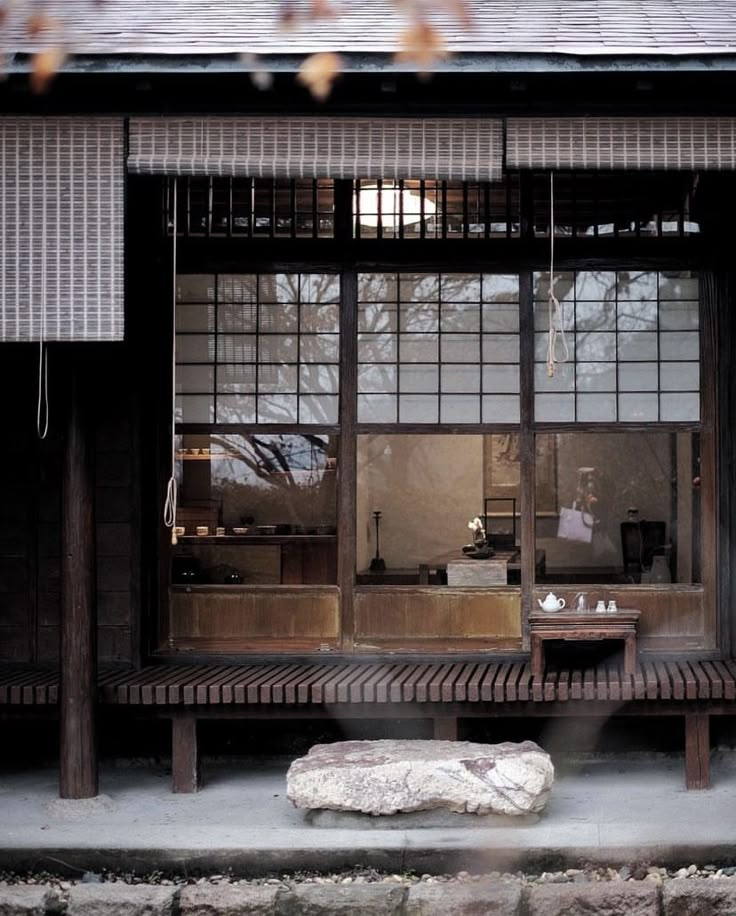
column 572, row 27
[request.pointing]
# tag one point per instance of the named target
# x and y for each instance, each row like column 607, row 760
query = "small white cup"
column 600, row 608
column 203, row 530
column 220, row 532
column 180, row 531
column 611, row 609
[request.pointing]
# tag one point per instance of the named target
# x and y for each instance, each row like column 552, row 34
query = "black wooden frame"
column 520, row 256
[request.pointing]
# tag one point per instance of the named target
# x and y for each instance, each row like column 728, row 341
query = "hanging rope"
column 555, row 311
column 42, row 407
column 171, row 486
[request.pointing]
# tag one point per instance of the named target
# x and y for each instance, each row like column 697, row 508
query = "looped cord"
column 171, row 486
column 42, row 408
column 556, row 313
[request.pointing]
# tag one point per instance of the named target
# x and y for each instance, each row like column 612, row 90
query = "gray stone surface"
column 80, row 807
column 699, row 897
column 414, row 820
column 387, row 776
column 120, row 899
column 481, row 898
column 614, row 898
column 228, row 900
column 348, row 900
column 19, row 900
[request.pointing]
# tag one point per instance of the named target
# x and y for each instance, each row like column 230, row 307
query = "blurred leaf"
column 321, row 9
column 318, row 72
column 45, row 67
column 422, row 45
column 37, row 23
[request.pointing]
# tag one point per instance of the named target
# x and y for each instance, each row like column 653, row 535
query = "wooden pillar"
column 697, row 750
column 78, row 754
column 185, row 773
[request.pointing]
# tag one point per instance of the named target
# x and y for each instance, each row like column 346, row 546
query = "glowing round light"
column 396, row 206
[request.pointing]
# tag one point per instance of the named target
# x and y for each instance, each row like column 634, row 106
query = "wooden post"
column 184, row 754
column 78, row 754
column 697, row 750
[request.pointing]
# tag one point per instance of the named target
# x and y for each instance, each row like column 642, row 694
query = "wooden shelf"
column 239, row 539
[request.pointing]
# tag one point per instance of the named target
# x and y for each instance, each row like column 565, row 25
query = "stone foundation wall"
column 678, row 897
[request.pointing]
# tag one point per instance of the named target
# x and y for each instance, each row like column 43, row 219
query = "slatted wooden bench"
column 440, row 691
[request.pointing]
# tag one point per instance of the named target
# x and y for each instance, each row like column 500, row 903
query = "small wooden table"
column 576, row 626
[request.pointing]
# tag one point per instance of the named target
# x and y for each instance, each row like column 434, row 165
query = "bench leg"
column 537, row 656
column 697, row 750
column 184, row 754
column 445, row 729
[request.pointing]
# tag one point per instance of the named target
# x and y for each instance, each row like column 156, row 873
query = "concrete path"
column 611, row 811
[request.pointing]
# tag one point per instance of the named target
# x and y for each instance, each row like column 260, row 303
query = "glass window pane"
column 500, row 348
column 637, row 316
column 195, row 318
column 194, row 408
column 554, row 408
column 460, row 317
column 637, row 286
column 419, row 378
column 637, row 509
column 236, row 409
column 278, row 288
column 377, row 408
column 595, row 376
column 261, row 485
column 500, row 317
column 636, row 345
column 500, row 408
column 319, row 348
column 236, row 348
column 316, row 379
column 278, row 319
column 638, row 407
column 638, row 377
column 679, row 376
column 419, row 287
column 592, row 346
column 680, row 407
column 595, row 316
column 195, row 379
column 460, row 288
column 237, row 317
column 596, row 408
column 446, row 489
column 195, row 348
column 277, row 379
column 195, row 288
column 318, row 408
column 277, row 348
column 562, row 380
column 377, row 348
column 320, row 288
column 420, row 317
column 460, row 348
column 277, row 408
column 498, row 379
column 418, row 408
column 598, row 286
column 377, row 378
column 232, row 379
column 464, row 379
column 316, row 318
column 500, row 288
column 459, row 408
column 679, row 345
column 241, row 288
column 378, row 317
column 678, row 316
column 418, row 348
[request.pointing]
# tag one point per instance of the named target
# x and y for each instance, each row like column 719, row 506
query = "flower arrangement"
column 479, row 532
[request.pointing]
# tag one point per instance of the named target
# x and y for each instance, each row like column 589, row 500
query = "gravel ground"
column 358, row 875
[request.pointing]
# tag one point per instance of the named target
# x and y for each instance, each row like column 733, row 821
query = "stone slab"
column 118, row 899
column 609, row 898
column 699, row 897
column 339, row 900
column 482, row 898
column 228, row 900
column 415, row 820
column 389, row 776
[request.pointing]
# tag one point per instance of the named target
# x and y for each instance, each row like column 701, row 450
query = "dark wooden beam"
column 78, row 754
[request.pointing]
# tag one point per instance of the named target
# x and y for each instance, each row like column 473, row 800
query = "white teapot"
column 551, row 603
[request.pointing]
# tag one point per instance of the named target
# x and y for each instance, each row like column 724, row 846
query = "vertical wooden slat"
column 78, row 754
column 527, row 488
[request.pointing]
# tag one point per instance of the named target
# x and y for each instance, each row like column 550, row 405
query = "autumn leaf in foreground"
column 421, row 45
column 45, row 67
column 318, row 72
